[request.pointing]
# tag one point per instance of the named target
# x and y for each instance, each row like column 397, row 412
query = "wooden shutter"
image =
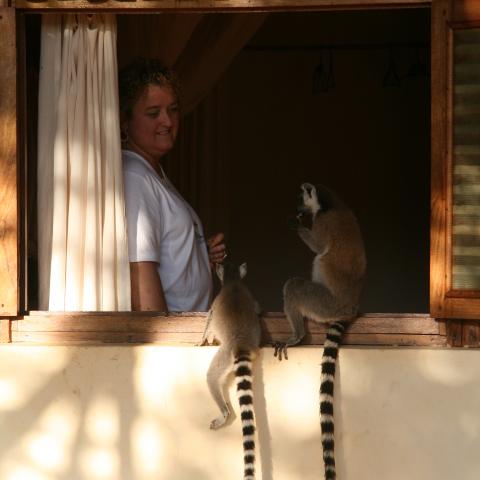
column 455, row 200
column 9, row 291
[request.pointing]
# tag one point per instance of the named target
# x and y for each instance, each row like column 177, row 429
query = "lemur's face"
column 312, row 200
column 309, row 203
column 229, row 271
column 307, row 206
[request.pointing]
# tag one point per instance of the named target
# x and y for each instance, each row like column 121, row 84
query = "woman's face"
column 153, row 125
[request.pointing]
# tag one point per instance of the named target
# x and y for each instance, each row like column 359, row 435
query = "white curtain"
column 83, row 259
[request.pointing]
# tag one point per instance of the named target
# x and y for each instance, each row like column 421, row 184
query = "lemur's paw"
column 280, row 350
column 218, row 422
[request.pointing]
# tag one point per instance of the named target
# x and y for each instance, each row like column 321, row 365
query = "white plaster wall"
column 142, row 412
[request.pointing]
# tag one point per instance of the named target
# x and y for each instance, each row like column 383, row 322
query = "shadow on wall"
column 117, row 413
column 142, row 412
column 65, row 418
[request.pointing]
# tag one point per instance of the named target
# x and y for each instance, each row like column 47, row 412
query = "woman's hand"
column 216, row 249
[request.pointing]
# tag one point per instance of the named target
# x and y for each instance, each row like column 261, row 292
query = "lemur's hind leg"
column 292, row 310
column 206, row 331
column 304, row 298
column 220, row 367
column 294, row 316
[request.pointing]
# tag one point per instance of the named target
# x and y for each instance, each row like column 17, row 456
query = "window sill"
column 202, row 5
column 187, row 329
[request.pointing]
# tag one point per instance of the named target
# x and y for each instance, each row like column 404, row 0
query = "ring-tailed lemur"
column 233, row 319
column 331, row 296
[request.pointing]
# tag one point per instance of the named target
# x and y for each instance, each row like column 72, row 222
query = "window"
column 454, row 288
column 379, row 324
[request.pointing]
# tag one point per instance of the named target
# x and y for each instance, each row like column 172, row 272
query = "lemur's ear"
column 243, row 270
column 219, row 269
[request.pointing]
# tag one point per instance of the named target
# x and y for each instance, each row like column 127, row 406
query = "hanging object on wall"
column 323, row 79
column 391, row 78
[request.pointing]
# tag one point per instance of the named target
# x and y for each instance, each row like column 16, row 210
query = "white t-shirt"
column 163, row 228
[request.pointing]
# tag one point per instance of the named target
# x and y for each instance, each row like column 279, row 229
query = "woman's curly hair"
column 134, row 78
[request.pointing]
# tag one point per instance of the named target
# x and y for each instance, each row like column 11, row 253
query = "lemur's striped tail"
column 327, row 379
column 243, row 379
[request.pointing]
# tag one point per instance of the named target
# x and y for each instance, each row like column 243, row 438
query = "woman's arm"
column 147, row 290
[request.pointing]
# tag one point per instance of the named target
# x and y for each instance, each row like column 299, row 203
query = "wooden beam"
column 215, row 5
column 454, row 333
column 9, row 295
column 95, row 328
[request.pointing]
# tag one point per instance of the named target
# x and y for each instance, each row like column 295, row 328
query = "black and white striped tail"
column 243, row 379
column 327, row 379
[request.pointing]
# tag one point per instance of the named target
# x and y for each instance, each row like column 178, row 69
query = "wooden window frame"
column 9, row 211
column 445, row 301
column 127, row 327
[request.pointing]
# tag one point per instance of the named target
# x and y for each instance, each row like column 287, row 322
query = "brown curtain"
column 162, row 36
column 200, row 48
column 199, row 163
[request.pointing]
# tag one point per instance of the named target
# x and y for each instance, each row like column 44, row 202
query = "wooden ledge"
column 212, row 5
column 187, row 329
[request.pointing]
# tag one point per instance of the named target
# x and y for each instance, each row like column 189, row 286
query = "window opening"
column 367, row 141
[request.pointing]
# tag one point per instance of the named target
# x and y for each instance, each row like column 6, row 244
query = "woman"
column 170, row 266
